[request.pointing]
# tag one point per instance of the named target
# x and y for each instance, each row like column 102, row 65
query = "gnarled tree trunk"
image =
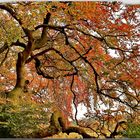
column 33, row 44
column 57, row 124
column 20, row 71
column 16, row 93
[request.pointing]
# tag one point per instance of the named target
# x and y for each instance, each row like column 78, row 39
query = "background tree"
column 72, row 53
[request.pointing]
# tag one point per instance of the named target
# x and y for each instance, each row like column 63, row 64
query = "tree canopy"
column 71, row 54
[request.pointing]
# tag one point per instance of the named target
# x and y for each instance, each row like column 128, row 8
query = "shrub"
column 133, row 131
column 25, row 121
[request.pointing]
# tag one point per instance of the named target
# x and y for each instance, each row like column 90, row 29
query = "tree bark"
column 15, row 94
column 57, row 124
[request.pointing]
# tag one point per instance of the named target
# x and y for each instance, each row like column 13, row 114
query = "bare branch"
column 61, row 29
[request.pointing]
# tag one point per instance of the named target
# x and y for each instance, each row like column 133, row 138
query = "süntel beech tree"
column 71, row 44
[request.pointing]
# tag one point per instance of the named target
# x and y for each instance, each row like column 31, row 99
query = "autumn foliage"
column 67, row 54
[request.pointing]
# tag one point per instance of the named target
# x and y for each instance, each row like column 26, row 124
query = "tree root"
column 57, row 125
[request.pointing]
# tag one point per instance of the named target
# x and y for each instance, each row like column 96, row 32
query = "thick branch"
column 46, row 21
column 40, row 72
column 18, row 43
column 57, row 124
column 20, row 71
column 79, row 131
column 11, row 12
column 94, row 70
column 15, row 16
column 61, row 29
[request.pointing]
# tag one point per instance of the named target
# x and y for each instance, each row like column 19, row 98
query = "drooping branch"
column 92, row 67
column 74, row 99
column 98, row 90
column 81, row 56
column 117, row 99
column 40, row 72
column 124, row 91
column 62, row 28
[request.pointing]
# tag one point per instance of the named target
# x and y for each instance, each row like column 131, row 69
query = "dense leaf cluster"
column 24, row 121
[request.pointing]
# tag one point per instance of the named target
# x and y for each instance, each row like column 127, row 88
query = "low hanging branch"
column 81, row 56
column 38, row 63
column 74, row 99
